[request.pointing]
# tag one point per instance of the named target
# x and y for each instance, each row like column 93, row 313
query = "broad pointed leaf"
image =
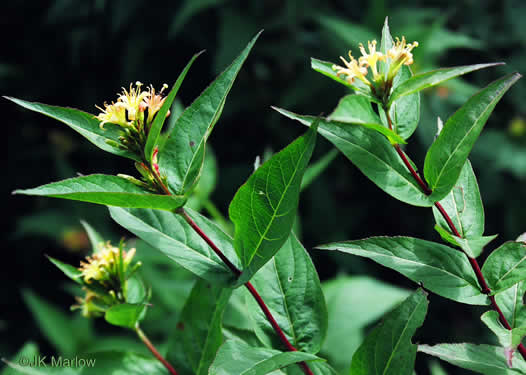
column 72, row 272
column 388, row 349
column 463, row 205
column 354, row 109
column 182, row 156
column 264, row 208
column 447, row 155
column 290, row 287
column 511, row 302
column 506, row 266
column 440, row 269
column 372, row 153
column 484, row 359
column 84, row 123
column 236, row 357
column 202, row 320
column 435, row 77
column 107, row 190
column 160, row 117
column 170, row 234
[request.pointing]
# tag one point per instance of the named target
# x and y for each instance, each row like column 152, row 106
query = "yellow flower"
column 154, row 102
column 400, row 54
column 370, row 59
column 114, row 113
column 103, row 264
column 352, row 70
column 132, row 100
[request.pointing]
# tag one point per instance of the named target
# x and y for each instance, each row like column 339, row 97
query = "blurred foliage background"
column 80, row 53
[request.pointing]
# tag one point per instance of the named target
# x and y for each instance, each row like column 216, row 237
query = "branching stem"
column 248, row 285
column 474, row 264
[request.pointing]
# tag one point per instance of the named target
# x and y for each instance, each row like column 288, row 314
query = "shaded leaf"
column 441, row 269
column 505, row 266
column 72, row 272
column 125, row 314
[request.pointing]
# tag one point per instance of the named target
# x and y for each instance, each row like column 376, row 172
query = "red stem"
column 474, row 264
column 248, row 285
column 154, row 351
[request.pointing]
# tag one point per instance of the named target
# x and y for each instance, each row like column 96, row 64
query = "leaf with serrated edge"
column 484, row 359
column 84, row 123
column 107, row 190
column 264, row 208
column 290, row 286
column 372, row 153
column 505, row 266
column 448, row 153
column 388, row 349
column 441, row 269
column 181, row 158
column 160, row 117
column 173, row 237
column 236, row 357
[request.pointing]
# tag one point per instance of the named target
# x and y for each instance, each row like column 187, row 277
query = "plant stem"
column 154, row 351
column 474, row 264
column 236, row 271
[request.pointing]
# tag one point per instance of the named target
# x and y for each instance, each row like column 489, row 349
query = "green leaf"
column 354, row 302
column 207, row 183
column 264, row 208
column 505, row 266
column 372, row 153
column 317, row 367
column 388, row 350
column 385, row 45
column 120, row 363
column 435, row 77
column 405, row 112
column 436, row 369
column 290, row 287
column 52, row 322
column 317, row 168
column 511, row 302
column 509, row 339
column 173, row 237
column 107, row 190
column 463, row 205
column 72, row 272
column 202, row 318
column 95, row 238
column 125, row 314
column 28, row 352
column 471, row 246
column 355, row 109
column 484, row 359
column 236, row 357
column 160, row 117
column 447, row 155
column 182, row 156
column 84, row 123
column 325, row 68
column 440, row 269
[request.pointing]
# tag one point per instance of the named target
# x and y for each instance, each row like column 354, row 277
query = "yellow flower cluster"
column 130, row 106
column 103, row 264
column 400, row 54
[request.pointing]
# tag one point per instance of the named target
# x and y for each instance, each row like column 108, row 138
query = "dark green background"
column 80, row 53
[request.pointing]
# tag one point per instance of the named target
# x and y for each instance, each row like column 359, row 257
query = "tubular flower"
column 154, row 102
column 400, row 54
column 132, row 100
column 114, row 113
column 353, row 69
column 104, row 263
column 370, row 59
